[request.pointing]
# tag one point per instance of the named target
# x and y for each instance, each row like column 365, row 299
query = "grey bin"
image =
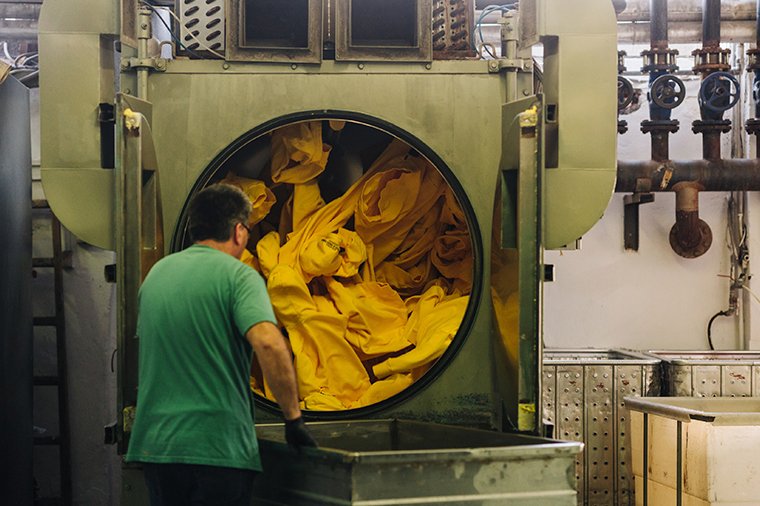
column 583, row 391
column 710, row 373
column 396, row 462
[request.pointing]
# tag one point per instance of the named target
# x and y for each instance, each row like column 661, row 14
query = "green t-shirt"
column 194, row 403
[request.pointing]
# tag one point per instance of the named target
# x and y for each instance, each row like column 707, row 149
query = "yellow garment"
column 452, row 256
column 248, row 259
column 335, row 318
column 262, row 199
column 432, row 325
column 376, row 316
column 406, row 281
column 298, row 158
column 324, row 361
column 335, row 214
column 384, row 389
column 298, row 154
column 393, row 200
column 408, row 268
column 452, row 213
column 268, row 250
column 335, row 254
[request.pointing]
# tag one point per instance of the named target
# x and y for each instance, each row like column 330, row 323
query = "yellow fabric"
column 408, row 268
column 393, row 200
column 325, row 364
column 262, row 199
column 334, row 254
column 268, row 251
column 452, row 213
column 298, row 154
column 338, row 293
column 452, row 256
column 248, row 259
column 432, row 325
column 335, row 214
column 376, row 316
column 298, row 158
column 383, row 389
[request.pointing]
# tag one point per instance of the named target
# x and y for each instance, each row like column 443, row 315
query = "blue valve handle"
column 719, row 92
column 667, row 91
column 625, row 92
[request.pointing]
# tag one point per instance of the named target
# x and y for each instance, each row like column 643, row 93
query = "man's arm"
column 277, row 365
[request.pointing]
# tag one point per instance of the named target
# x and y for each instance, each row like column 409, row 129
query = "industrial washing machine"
column 527, row 160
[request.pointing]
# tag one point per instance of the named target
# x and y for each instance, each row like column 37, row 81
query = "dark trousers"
column 195, row 485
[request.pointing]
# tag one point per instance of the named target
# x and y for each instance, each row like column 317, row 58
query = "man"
column 201, row 312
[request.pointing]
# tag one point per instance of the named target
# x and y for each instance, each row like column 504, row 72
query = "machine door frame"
column 139, row 241
column 517, row 267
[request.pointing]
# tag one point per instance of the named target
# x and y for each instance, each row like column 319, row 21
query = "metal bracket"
column 524, row 64
column 157, row 64
column 631, row 218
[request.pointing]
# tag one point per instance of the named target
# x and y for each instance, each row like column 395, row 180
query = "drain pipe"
column 691, row 237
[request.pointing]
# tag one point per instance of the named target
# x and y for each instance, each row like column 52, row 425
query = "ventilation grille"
column 452, row 28
column 205, row 20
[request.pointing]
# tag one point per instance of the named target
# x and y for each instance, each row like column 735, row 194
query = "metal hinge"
column 158, row 64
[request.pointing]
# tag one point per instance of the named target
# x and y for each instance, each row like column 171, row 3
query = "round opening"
column 370, row 250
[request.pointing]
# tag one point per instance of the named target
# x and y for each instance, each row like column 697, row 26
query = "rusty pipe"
column 690, row 236
column 660, row 145
column 738, row 174
column 710, row 23
column 711, row 145
column 658, row 24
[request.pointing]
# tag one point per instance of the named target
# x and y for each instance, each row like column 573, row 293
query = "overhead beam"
column 20, row 11
column 24, row 29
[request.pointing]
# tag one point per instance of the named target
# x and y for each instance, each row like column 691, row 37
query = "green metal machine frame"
column 535, row 172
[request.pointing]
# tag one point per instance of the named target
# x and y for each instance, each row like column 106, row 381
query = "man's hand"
column 297, row 435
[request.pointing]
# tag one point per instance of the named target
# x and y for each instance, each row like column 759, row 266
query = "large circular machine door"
column 370, row 250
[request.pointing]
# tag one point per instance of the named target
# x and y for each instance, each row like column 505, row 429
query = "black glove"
column 297, row 435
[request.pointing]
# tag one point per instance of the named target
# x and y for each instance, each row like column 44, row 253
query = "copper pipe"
column 712, row 175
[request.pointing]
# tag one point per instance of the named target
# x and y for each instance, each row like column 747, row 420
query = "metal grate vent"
column 452, row 28
column 205, row 20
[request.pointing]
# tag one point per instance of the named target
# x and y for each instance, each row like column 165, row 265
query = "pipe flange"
column 659, row 59
column 710, row 59
column 711, row 125
column 692, row 244
column 753, row 59
column 653, row 125
column 621, row 61
column 752, row 126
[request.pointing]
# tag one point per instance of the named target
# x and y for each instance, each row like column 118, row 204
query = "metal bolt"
column 428, row 66
column 526, row 93
column 528, row 65
column 294, row 66
column 361, row 66
column 226, row 66
column 144, row 26
column 493, row 65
